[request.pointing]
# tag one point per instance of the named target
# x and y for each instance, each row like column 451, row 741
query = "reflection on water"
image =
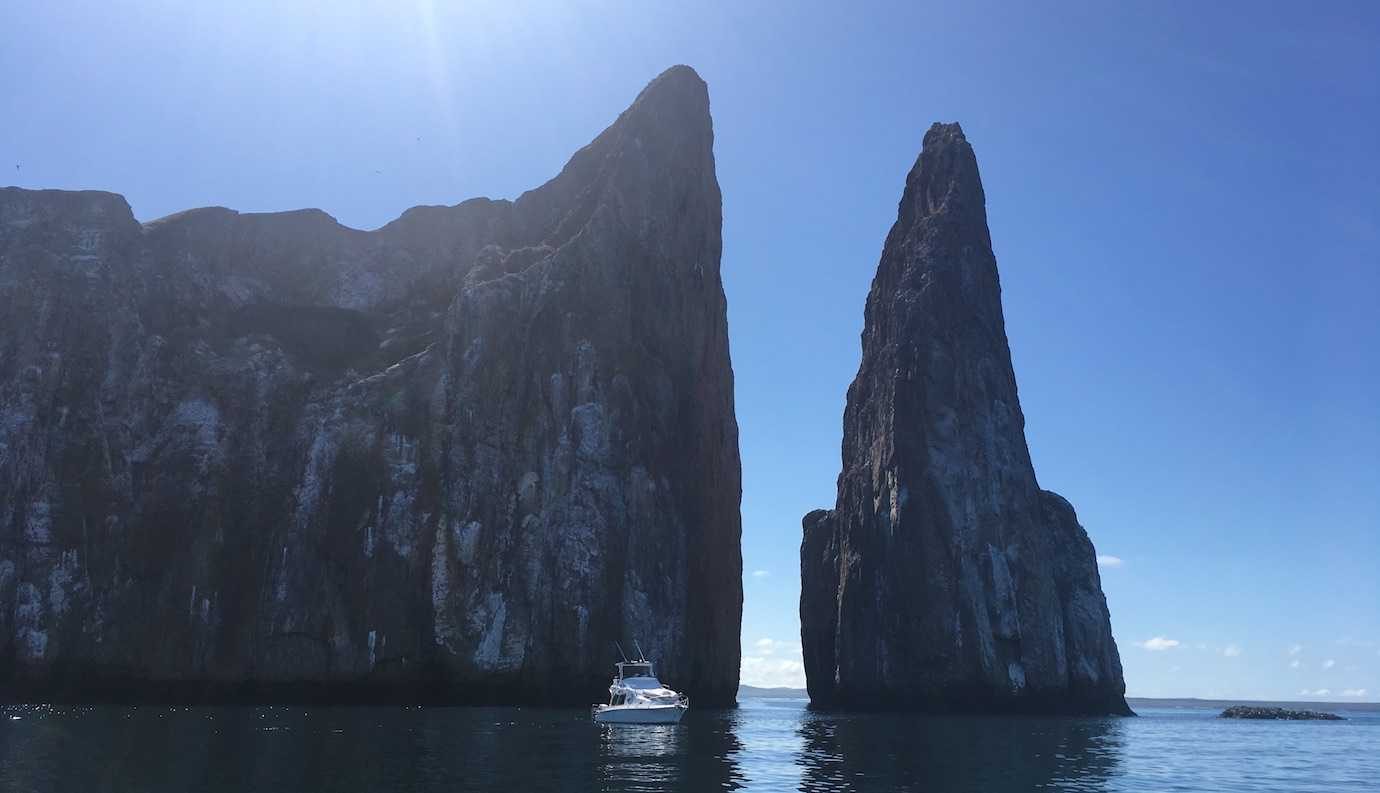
column 700, row 754
column 641, row 758
column 770, row 745
column 358, row 749
column 909, row 752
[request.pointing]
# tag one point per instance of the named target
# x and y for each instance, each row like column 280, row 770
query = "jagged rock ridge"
column 453, row 459
column 945, row 578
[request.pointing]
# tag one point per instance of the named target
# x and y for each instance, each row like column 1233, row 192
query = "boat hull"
column 668, row 714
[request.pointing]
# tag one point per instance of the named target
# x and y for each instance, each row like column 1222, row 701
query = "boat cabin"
column 629, row 669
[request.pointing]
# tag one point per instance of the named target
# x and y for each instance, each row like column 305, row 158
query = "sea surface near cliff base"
column 765, row 744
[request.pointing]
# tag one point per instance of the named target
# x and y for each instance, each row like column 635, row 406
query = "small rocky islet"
column 1277, row 714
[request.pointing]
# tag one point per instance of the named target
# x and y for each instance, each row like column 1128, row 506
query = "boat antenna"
column 620, row 651
column 641, row 656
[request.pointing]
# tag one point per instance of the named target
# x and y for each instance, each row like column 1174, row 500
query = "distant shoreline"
column 1191, row 702
column 756, row 692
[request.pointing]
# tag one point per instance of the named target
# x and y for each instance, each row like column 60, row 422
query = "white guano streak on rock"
column 322, row 453
column 488, row 656
column 60, row 577
column 202, row 418
column 38, row 524
column 29, row 631
column 308, row 492
column 444, row 629
column 592, row 423
column 399, row 524
column 280, row 591
column 1016, row 673
column 14, row 421
column 466, row 537
column 1004, row 594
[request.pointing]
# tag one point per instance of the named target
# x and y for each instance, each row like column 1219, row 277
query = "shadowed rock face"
column 945, row 578
column 453, row 459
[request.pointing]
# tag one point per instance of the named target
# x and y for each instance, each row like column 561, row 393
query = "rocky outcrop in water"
column 453, row 459
column 1277, row 714
column 945, row 578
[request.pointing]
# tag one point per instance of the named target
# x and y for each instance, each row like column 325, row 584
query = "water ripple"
column 767, row 745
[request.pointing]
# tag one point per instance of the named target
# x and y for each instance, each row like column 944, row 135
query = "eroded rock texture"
column 945, row 578
column 451, row 459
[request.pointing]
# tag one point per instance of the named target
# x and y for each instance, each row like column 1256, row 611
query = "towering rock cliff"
column 945, row 578
column 452, row 459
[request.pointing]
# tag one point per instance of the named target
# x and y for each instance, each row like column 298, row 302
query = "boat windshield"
column 635, row 670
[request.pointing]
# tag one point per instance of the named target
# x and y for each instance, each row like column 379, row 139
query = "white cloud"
column 773, row 646
column 1317, row 692
column 1107, row 560
column 1231, row 651
column 1329, row 663
column 1354, row 692
column 773, row 672
column 1159, row 643
column 1295, row 649
column 1294, row 664
column 769, row 670
column 760, row 573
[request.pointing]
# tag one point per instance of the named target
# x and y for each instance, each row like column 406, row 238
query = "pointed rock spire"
column 945, row 578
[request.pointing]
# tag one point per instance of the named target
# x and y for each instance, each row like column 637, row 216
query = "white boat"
column 637, row 697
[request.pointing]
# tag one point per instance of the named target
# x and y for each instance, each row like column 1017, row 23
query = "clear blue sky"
column 1184, row 201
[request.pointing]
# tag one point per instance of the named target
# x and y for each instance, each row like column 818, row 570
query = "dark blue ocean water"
column 764, row 745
